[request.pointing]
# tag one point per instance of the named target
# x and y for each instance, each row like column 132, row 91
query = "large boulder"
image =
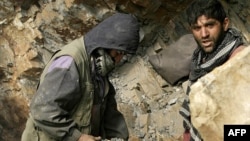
column 222, row 97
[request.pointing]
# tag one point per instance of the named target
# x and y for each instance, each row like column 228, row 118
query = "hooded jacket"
column 71, row 99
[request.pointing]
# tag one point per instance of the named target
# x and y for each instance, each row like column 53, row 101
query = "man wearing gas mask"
column 75, row 100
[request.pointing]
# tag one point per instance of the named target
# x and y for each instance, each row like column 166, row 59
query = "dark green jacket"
column 110, row 121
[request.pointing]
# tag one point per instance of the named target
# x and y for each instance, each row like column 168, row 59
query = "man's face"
column 208, row 32
column 116, row 55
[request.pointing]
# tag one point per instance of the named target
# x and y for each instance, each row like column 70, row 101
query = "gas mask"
column 103, row 62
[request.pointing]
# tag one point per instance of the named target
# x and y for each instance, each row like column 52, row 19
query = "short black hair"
column 209, row 8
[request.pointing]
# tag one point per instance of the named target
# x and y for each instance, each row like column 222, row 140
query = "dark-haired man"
column 217, row 43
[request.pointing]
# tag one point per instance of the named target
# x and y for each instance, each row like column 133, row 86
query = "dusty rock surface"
column 148, row 102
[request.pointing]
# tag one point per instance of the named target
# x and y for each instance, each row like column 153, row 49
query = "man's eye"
column 121, row 52
column 210, row 25
column 196, row 28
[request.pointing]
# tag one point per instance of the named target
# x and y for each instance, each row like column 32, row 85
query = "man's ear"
column 226, row 24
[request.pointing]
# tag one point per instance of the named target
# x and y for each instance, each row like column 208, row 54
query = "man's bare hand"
column 85, row 137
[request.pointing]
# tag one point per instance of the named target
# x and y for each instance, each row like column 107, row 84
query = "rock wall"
column 29, row 37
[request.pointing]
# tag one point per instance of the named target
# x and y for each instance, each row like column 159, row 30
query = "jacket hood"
column 119, row 31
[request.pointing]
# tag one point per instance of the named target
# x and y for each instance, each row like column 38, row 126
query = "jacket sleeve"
column 55, row 98
column 114, row 123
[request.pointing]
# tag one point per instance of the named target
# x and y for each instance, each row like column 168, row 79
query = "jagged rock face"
column 222, row 97
column 28, row 39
